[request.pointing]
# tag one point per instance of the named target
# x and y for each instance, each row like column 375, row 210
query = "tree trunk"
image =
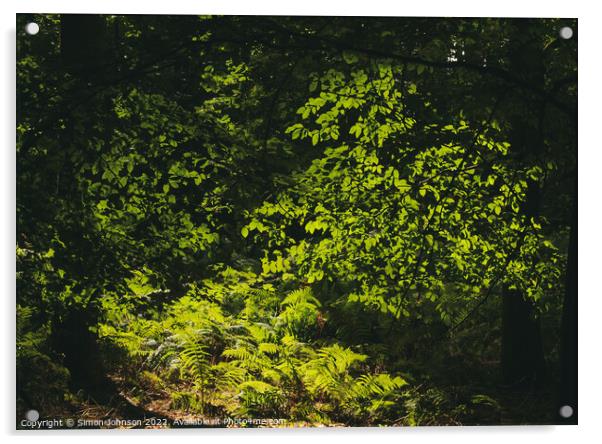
column 83, row 43
column 522, row 357
column 568, row 346
column 522, row 352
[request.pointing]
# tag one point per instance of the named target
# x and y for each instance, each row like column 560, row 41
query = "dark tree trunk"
column 83, row 43
column 522, row 357
column 568, row 346
column 71, row 336
column 523, row 362
column 522, row 351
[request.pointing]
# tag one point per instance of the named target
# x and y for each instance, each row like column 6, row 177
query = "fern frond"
column 301, row 296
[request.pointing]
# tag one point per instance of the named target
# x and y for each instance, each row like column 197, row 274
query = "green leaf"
column 315, row 138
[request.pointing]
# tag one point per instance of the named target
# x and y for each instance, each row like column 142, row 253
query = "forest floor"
column 510, row 407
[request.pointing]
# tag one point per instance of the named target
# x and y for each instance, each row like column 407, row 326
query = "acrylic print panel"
column 254, row 221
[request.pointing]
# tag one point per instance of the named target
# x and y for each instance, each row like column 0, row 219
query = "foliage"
column 301, row 218
column 255, row 364
column 37, row 365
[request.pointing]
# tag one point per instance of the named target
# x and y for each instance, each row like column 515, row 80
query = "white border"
column 590, row 163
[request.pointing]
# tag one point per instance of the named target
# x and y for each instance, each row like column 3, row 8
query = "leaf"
column 315, row 138
column 349, row 57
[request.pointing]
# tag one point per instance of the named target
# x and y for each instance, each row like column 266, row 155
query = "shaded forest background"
column 329, row 220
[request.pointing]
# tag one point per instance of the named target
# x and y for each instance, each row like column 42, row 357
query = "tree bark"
column 568, row 345
column 522, row 357
column 523, row 361
column 83, row 51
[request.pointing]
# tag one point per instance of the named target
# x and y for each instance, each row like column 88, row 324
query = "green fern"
column 262, row 361
column 371, row 395
column 328, row 373
column 299, row 315
column 260, row 399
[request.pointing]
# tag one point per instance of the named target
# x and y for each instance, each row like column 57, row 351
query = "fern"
column 299, row 315
column 328, row 373
column 260, row 399
column 301, row 296
column 262, row 360
column 268, row 347
column 186, row 401
column 193, row 359
column 372, row 395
